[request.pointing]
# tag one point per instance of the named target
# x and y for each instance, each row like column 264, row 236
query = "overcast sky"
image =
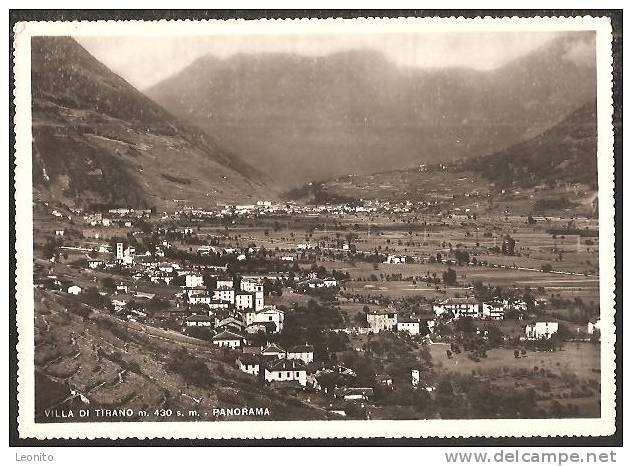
column 144, row 61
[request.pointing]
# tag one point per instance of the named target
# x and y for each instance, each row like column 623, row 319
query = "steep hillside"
column 303, row 118
column 112, row 364
column 97, row 140
column 567, row 152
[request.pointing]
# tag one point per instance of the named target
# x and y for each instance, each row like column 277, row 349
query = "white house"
column 74, row 289
column 540, row 330
column 227, row 339
column 198, row 321
column 267, row 314
column 383, row 319
column 274, row 350
column 249, row 363
column 251, row 295
column 415, row 377
column 200, row 299
column 393, row 259
column 303, row 353
column 516, row 304
column 593, row 325
column 330, row 282
column 96, row 263
column 225, row 283
column 229, row 323
column 411, row 326
column 244, row 300
column 354, row 393
column 194, row 290
column 216, row 305
column 315, row 283
column 161, row 278
column 193, row 280
column 493, row 310
column 250, row 286
column 459, row 307
column 224, row 294
column 259, row 300
column 120, row 302
column 286, row 370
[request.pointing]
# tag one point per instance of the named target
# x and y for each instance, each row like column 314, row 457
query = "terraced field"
column 96, row 362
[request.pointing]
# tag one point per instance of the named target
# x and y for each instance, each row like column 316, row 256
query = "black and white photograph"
column 378, row 221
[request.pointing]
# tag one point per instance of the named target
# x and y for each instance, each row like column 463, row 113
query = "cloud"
column 144, row 61
column 581, row 52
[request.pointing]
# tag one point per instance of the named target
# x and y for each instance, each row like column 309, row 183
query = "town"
column 356, row 308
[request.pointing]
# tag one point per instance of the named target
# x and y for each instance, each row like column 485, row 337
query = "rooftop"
column 227, row 335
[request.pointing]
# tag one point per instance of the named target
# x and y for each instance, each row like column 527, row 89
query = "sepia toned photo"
column 386, row 227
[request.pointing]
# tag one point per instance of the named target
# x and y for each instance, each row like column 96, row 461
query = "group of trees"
column 192, row 369
column 311, row 324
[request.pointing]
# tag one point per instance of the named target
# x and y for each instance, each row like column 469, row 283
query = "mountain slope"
column 357, row 112
column 116, row 364
column 567, row 152
column 97, row 140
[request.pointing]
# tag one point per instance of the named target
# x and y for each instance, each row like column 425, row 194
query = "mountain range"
column 99, row 141
column 301, row 118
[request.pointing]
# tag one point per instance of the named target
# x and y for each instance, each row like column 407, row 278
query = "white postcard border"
column 605, row 425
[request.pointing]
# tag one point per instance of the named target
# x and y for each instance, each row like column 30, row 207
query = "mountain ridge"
column 98, row 140
column 332, row 115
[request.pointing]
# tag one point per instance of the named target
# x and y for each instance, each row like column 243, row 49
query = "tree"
column 445, row 393
column 108, row 284
column 462, row 257
column 494, row 335
column 546, row 268
column 49, row 248
column 156, row 304
column 449, row 277
column 193, row 370
column 465, row 325
column 144, row 226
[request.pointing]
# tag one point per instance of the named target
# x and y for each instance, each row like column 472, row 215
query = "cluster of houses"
column 263, row 207
column 122, row 217
column 471, row 307
column 390, row 319
column 232, row 309
column 276, row 364
column 295, row 366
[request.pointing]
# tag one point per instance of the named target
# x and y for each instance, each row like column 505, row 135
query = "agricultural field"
column 570, row 376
